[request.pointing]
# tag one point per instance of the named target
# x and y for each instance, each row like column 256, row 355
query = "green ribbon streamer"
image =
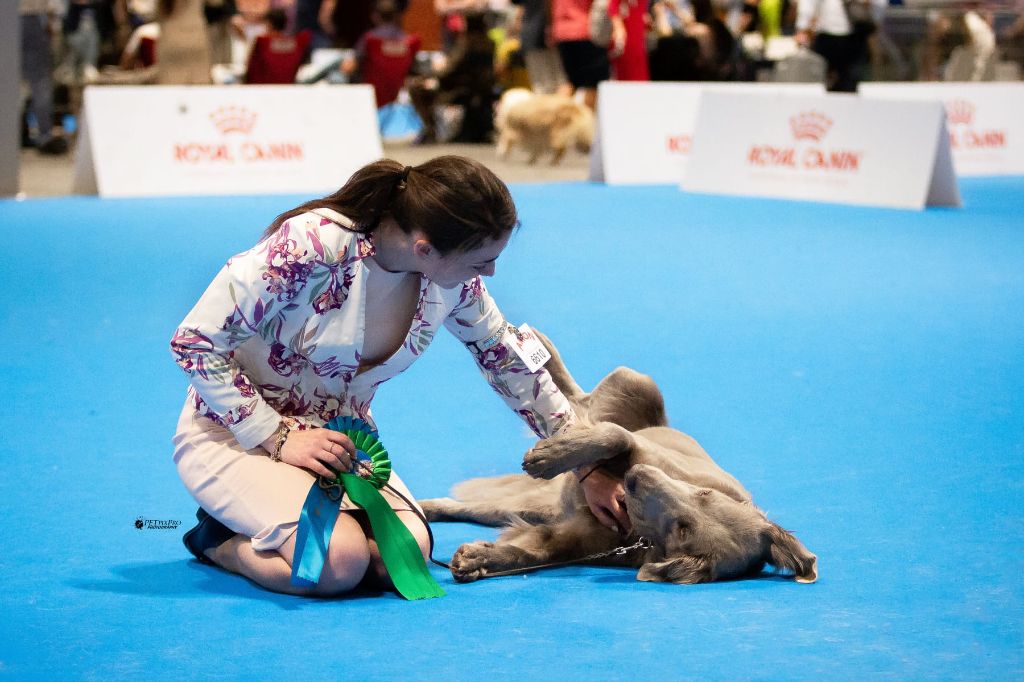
column 398, row 548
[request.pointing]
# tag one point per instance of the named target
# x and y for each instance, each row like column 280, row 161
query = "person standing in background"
column 585, row 63
column 183, row 51
column 88, row 24
column 629, row 40
column 218, row 15
column 37, row 73
column 827, row 28
column 542, row 62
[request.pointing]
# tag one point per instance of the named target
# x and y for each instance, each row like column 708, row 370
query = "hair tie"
column 405, row 176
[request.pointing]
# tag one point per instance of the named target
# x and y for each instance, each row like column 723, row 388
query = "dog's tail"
column 558, row 371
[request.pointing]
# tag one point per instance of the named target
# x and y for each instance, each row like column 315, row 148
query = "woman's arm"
column 807, row 12
column 477, row 322
column 249, row 296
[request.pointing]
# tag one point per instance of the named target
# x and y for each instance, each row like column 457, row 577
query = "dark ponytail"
column 458, row 203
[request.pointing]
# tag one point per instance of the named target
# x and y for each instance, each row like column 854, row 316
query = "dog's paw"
column 546, row 459
column 470, row 561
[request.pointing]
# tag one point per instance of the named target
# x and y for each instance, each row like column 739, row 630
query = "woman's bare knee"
column 348, row 557
column 415, row 525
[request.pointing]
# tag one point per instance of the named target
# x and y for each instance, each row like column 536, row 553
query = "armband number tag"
column 527, row 346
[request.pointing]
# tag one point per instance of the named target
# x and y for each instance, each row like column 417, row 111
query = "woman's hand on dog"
column 320, row 451
column 606, row 498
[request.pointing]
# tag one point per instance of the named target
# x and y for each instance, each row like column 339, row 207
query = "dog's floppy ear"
column 789, row 553
column 685, row 570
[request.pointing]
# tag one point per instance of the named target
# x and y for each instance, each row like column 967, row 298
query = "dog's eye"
column 704, row 492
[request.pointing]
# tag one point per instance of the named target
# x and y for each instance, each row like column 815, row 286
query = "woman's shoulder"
column 327, row 233
column 321, row 220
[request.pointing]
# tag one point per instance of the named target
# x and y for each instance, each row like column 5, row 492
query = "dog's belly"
column 682, row 457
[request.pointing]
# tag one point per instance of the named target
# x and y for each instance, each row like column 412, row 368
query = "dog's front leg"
column 532, row 546
column 579, row 445
column 475, row 560
column 505, row 140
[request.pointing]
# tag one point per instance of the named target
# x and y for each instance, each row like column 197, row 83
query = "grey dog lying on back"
column 701, row 522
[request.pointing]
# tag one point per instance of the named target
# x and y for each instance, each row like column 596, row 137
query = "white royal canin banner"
column 205, row 140
column 985, row 121
column 835, row 148
column 645, row 130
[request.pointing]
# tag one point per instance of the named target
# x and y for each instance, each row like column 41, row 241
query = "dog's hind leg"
column 577, row 446
column 448, row 509
column 628, row 398
column 559, row 152
column 498, row 501
column 505, row 141
column 558, row 371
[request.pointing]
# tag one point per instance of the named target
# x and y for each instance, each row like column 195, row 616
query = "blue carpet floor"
column 860, row 370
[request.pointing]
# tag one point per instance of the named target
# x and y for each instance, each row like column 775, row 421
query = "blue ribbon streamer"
column 316, row 524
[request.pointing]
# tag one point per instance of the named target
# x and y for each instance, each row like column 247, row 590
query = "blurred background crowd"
column 450, row 61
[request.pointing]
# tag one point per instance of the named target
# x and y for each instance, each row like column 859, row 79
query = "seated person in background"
column 249, row 21
column 387, row 25
column 140, row 50
column 275, row 56
column 136, row 66
column 137, row 63
column 275, row 24
column 977, row 57
column 384, row 55
column 467, row 79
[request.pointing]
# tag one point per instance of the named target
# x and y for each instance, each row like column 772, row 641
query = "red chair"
column 147, row 51
column 386, row 63
column 275, row 59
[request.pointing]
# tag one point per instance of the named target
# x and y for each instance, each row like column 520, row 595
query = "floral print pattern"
column 278, row 333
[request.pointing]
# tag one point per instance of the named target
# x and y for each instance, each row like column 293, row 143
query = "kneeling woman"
column 341, row 294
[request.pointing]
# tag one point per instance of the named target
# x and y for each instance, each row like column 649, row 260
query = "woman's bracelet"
column 280, row 436
column 492, row 340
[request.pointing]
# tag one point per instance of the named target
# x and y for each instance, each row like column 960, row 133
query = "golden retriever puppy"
column 542, row 124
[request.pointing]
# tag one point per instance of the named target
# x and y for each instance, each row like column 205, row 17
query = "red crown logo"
column 959, row 112
column 810, row 125
column 233, row 119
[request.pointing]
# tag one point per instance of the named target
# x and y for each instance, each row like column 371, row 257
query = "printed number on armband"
column 528, row 347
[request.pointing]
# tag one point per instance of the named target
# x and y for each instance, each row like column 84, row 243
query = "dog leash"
column 641, row 543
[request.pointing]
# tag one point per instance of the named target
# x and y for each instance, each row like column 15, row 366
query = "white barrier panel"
column 837, row 148
column 151, row 140
column 985, row 120
column 645, row 130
